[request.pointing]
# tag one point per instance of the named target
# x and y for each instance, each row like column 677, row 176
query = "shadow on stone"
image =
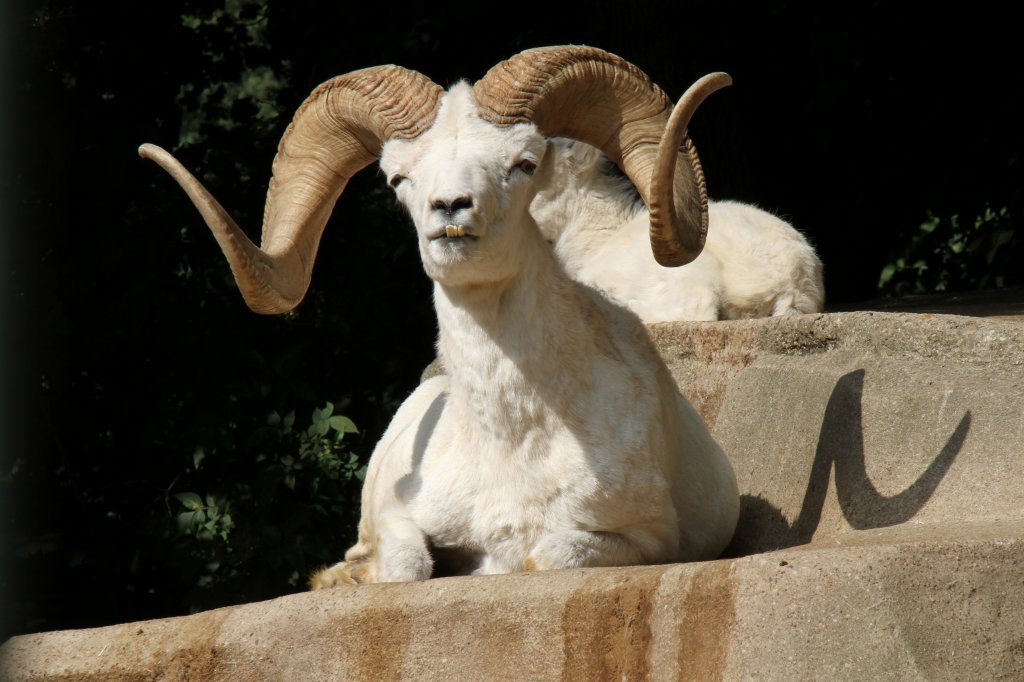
column 763, row 527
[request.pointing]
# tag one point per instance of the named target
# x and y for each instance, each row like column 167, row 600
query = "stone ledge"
column 938, row 608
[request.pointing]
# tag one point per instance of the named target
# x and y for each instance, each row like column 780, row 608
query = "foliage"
column 956, row 254
column 238, row 87
column 256, row 530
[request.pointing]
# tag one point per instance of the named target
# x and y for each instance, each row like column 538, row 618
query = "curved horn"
column 600, row 98
column 673, row 246
column 336, row 132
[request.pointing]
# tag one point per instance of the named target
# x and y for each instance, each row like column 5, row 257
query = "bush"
column 956, row 254
column 254, row 529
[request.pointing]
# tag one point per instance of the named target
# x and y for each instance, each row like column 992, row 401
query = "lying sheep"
column 753, row 264
column 557, row 437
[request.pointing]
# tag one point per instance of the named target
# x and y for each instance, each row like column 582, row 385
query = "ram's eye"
column 395, row 180
column 527, row 166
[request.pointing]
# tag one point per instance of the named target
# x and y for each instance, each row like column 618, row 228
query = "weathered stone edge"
column 657, row 622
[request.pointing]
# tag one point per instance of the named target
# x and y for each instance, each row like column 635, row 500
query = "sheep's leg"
column 785, row 304
column 579, row 548
column 400, row 555
column 404, row 552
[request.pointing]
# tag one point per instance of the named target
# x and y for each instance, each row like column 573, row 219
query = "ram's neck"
column 517, row 353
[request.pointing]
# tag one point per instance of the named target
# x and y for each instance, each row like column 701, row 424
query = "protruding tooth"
column 455, row 230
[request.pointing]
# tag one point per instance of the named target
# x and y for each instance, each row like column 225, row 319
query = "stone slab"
column 937, row 608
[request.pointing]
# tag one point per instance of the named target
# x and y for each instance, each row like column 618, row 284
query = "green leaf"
column 322, row 414
column 190, row 520
column 929, row 225
column 184, row 521
column 342, row 424
column 887, row 272
column 190, row 500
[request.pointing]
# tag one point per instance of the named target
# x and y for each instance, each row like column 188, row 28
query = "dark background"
column 144, row 472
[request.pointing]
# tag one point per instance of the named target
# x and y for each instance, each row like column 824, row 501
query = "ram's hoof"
column 344, row 573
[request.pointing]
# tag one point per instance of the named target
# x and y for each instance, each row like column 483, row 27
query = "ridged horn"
column 597, row 97
column 665, row 179
column 335, row 133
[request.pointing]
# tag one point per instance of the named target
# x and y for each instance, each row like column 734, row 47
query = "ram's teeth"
column 455, row 230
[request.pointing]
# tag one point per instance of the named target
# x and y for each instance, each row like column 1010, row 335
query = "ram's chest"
column 500, row 502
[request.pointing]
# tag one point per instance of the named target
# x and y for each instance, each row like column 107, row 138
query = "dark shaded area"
column 763, row 527
column 133, row 373
column 11, row 336
column 1007, row 303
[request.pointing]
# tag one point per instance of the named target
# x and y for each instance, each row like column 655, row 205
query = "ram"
column 754, row 264
column 557, row 437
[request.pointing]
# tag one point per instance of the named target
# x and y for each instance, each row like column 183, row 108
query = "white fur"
column 557, row 438
column 753, row 264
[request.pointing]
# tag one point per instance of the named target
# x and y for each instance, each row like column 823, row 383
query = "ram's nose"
column 450, row 205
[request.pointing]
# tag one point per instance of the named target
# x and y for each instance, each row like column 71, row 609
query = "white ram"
column 558, row 438
column 753, row 263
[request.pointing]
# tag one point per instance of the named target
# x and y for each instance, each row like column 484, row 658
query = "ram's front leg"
column 580, row 548
column 399, row 553
column 404, row 552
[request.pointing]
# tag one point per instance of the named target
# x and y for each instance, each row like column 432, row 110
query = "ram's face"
column 467, row 185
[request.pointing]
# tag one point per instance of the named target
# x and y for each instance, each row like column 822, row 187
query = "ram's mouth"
column 451, row 232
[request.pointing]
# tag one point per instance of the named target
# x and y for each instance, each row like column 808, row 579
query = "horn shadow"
column 763, row 527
